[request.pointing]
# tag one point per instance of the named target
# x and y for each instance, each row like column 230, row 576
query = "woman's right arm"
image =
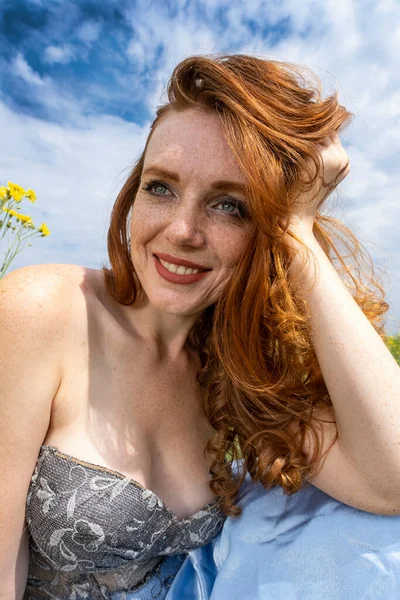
column 33, row 321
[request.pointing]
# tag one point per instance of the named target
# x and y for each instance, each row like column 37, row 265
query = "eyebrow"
column 216, row 185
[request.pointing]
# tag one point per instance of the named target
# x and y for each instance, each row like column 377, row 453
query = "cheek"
column 143, row 223
column 233, row 249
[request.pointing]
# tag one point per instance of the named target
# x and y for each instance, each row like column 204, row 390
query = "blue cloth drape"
column 305, row 546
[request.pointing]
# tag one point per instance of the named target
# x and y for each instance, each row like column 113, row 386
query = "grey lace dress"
column 96, row 534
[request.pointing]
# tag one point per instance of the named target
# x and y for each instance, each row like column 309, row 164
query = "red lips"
column 181, row 261
column 178, row 278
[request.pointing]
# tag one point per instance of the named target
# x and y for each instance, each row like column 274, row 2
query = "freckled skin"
column 187, row 219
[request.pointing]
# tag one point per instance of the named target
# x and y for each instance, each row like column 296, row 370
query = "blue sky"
column 81, row 80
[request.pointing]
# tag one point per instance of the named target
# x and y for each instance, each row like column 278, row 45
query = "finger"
column 344, row 171
column 326, row 142
column 335, row 138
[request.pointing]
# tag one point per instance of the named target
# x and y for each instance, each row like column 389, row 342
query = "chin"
column 176, row 309
column 177, row 306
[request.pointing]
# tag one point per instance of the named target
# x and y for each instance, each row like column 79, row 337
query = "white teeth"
column 178, row 269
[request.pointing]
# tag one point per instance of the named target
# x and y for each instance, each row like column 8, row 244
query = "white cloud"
column 89, row 31
column 58, row 101
column 189, row 34
column 76, row 174
column 25, row 71
column 136, row 51
column 58, row 54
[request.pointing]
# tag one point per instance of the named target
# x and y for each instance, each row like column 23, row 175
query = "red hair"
column 262, row 383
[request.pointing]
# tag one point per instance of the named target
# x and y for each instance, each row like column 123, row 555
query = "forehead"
column 192, row 140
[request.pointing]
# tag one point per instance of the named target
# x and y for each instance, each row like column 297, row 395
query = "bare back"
column 120, row 408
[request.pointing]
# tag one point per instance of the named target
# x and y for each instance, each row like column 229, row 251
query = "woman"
column 141, row 380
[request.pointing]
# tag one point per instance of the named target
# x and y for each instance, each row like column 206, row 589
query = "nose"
column 185, row 226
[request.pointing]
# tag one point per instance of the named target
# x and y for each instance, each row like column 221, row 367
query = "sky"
column 80, row 82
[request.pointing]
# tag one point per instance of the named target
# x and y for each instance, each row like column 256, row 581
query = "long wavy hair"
column 263, row 387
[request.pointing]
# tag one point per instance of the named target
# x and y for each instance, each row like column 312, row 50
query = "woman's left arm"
column 362, row 468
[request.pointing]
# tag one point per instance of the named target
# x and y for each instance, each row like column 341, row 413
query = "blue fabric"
column 305, row 546
column 302, row 547
column 157, row 586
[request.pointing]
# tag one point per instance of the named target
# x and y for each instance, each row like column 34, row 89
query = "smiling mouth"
column 179, row 269
column 180, row 262
column 180, row 273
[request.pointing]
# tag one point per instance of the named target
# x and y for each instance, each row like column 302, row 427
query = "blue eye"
column 241, row 212
column 236, row 205
column 152, row 184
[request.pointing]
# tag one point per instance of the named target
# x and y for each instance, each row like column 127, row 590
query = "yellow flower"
column 18, row 215
column 30, row 194
column 24, row 218
column 16, row 191
column 11, row 212
column 44, row 230
column 3, row 192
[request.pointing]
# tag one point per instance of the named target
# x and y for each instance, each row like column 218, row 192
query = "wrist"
column 304, row 247
column 302, row 234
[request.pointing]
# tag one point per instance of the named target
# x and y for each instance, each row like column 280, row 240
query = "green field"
column 393, row 343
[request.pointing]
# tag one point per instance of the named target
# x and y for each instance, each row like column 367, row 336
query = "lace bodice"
column 95, row 531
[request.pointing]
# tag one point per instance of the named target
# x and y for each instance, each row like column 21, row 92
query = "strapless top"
column 93, row 531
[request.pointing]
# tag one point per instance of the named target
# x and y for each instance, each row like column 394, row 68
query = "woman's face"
column 181, row 210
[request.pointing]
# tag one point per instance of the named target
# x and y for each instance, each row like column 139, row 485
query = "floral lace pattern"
column 94, row 532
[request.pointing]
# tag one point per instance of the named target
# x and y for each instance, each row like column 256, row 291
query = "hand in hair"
column 334, row 167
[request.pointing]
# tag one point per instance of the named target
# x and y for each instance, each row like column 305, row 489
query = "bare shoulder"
column 45, row 289
column 45, row 276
